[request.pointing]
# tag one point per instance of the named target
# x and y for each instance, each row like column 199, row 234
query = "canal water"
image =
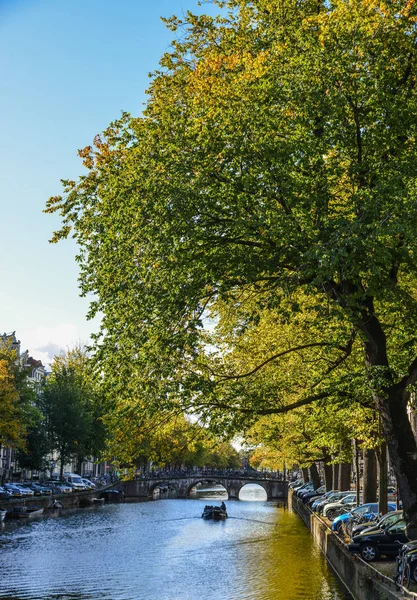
column 164, row 550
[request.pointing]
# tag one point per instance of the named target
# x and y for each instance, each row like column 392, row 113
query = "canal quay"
column 164, row 550
column 365, row 581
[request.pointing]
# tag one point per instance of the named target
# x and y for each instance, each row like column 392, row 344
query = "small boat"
column 112, row 496
column 98, row 500
column 3, row 513
column 24, row 512
column 214, row 512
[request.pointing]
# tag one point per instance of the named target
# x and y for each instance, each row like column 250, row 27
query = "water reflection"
column 250, row 492
column 253, row 492
column 164, row 551
column 209, row 491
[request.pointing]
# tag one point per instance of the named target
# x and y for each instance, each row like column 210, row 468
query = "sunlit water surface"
column 164, row 550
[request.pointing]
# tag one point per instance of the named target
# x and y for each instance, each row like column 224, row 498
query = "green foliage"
column 167, row 439
column 17, row 400
column 33, row 455
column 71, row 408
column 271, row 178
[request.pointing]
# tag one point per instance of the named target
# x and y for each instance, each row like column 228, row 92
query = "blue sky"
column 67, row 68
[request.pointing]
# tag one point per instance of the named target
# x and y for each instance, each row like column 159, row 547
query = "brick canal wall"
column 362, row 580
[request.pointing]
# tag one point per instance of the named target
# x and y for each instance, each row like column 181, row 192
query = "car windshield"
column 333, row 498
column 361, row 510
column 76, row 480
column 397, row 527
column 389, row 520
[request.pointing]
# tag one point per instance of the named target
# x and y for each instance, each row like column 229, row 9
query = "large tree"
column 72, row 410
column 18, row 411
column 276, row 154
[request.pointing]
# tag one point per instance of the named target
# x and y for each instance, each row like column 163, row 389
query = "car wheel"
column 369, row 552
column 331, row 514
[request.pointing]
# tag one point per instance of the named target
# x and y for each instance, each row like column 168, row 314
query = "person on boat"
column 223, row 506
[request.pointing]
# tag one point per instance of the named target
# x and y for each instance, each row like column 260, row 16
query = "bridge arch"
column 208, row 481
column 164, row 486
column 259, row 484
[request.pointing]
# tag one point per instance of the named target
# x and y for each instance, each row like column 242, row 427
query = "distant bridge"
column 179, row 485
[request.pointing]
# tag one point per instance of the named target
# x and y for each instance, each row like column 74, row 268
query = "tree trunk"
column 381, row 454
column 344, row 476
column 391, row 401
column 403, row 454
column 357, row 473
column 314, row 476
column 369, row 476
column 328, row 476
column 336, row 475
column 3, row 470
column 305, row 475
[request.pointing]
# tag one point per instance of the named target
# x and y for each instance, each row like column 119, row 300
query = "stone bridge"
column 180, row 486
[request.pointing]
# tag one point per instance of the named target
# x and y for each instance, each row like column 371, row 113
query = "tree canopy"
column 71, row 409
column 17, row 408
column 275, row 159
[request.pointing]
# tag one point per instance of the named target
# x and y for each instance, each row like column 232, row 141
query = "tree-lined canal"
column 164, row 550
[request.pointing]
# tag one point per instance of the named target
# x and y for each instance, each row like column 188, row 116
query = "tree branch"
column 224, row 377
column 280, row 409
column 409, row 379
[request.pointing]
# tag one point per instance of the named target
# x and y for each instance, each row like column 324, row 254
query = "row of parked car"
column 46, row 488
column 370, row 535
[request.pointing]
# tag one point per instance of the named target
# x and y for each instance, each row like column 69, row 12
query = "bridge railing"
column 205, row 473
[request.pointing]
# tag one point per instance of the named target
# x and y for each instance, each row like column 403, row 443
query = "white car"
column 75, row 480
column 89, row 484
column 331, row 510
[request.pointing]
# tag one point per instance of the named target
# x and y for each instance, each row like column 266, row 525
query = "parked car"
column 4, row 494
column 316, row 501
column 308, row 494
column 382, row 523
column 41, row 489
column 76, row 481
column 65, row 487
column 36, row 488
column 88, row 484
column 17, row 491
column 335, row 497
column 28, row 486
column 344, row 504
column 59, row 487
column 27, row 490
column 305, row 486
column 73, row 487
column 370, row 545
column 363, row 509
column 295, row 484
